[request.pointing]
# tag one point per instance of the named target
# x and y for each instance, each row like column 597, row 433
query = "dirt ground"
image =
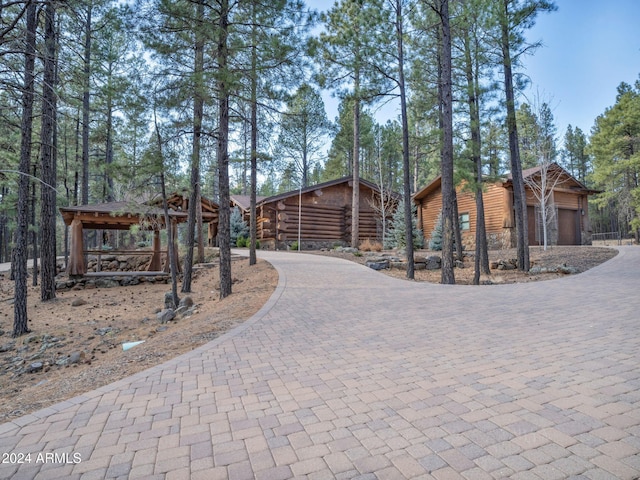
column 93, row 333
column 580, row 258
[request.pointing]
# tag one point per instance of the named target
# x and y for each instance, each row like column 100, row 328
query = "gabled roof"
column 118, row 215
column 243, row 202
column 121, row 215
column 430, row 187
column 180, row 202
column 330, row 183
column 572, row 183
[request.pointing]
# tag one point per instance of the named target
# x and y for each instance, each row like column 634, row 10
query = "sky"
column 588, row 48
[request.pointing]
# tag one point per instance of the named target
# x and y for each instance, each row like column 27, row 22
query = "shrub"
column 370, row 246
column 294, row 245
column 242, row 242
column 435, row 242
column 237, row 226
column 396, row 237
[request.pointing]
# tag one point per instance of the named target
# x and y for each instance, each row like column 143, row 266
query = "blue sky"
column 589, row 48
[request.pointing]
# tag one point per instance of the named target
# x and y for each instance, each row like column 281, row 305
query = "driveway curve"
column 348, row 373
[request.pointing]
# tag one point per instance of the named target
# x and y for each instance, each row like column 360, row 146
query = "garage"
column 568, row 227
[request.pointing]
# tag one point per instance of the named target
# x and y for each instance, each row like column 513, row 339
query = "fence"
column 607, row 238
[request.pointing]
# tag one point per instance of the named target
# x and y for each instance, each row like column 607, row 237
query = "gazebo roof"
column 122, row 215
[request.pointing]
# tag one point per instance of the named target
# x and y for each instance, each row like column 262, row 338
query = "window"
column 464, row 221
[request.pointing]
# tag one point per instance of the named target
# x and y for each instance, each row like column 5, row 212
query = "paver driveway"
column 347, row 373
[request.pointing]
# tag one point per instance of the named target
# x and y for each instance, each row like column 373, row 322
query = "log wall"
column 325, row 216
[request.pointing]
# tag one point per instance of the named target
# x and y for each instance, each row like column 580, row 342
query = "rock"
column 398, row 265
column 34, row 367
column 186, row 302
column 2, row 332
column 76, row 357
column 168, row 301
column 162, row 329
column 78, row 302
column 166, row 315
column 181, row 310
column 7, row 346
column 347, row 250
column 458, row 264
column 377, row 263
column 103, row 331
column 106, row 283
column 434, row 262
column 567, row 270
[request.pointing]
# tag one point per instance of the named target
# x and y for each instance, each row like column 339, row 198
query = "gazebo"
column 124, row 215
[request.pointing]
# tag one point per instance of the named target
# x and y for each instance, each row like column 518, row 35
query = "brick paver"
column 347, row 373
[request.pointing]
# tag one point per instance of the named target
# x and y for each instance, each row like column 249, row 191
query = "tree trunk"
column 19, row 267
column 34, row 228
column 355, row 199
column 481, row 259
column 171, row 260
column 447, row 276
column 198, row 113
column 408, row 221
column 48, row 164
column 519, row 199
column 224, row 231
column 253, row 223
column 86, row 107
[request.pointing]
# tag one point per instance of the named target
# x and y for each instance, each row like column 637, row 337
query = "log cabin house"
column 569, row 225
column 323, row 213
column 124, row 215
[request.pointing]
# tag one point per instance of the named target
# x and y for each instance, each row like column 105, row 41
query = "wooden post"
column 76, row 265
column 155, row 265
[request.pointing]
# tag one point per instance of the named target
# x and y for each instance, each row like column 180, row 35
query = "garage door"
column 568, row 227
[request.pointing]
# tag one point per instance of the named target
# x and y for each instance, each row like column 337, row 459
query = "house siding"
column 499, row 215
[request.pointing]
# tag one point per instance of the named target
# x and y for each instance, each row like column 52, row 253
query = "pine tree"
column 303, row 129
column 396, row 236
column 237, row 226
column 435, row 242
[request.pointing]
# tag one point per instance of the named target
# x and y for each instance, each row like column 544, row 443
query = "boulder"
column 168, row 300
column 186, row 302
column 434, row 262
column 76, row 357
column 377, row 263
column 34, row 367
column 78, row 302
column 567, row 270
column 166, row 315
column 106, row 283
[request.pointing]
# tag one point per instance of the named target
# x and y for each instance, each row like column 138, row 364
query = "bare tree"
column 542, row 184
